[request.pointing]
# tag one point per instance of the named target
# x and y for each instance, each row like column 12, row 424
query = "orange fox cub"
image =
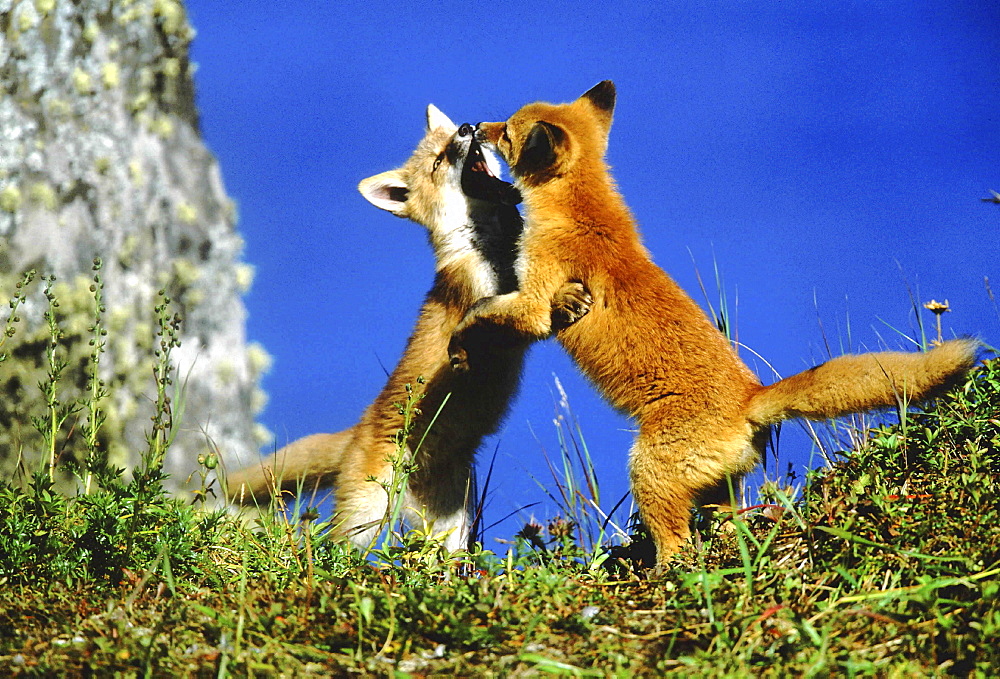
column 702, row 414
column 473, row 224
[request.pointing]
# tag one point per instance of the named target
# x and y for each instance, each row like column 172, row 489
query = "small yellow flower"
column 937, row 307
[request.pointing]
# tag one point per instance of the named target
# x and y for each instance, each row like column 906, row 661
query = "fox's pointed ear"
column 539, row 151
column 387, row 191
column 602, row 98
column 436, row 119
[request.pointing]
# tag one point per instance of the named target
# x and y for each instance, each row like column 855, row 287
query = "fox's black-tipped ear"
column 602, row 96
column 539, row 151
column 386, row 191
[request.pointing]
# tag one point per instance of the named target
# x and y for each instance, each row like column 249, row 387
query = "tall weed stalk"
column 96, row 460
column 57, row 412
column 20, row 292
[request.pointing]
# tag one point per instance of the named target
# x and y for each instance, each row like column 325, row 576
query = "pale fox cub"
column 703, row 416
column 451, row 187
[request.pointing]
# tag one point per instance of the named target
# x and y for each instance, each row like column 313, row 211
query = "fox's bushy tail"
column 854, row 383
column 308, row 463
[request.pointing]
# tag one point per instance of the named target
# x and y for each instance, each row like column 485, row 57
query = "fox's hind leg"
column 665, row 498
column 444, row 491
column 361, row 507
column 726, row 494
column 669, row 479
column 439, row 505
column 455, row 529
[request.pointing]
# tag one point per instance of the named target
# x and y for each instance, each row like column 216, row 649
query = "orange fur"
column 310, row 461
column 702, row 414
column 474, row 246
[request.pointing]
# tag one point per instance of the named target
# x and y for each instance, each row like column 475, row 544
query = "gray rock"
column 100, row 156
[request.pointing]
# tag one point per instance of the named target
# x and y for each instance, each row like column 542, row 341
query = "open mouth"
column 480, row 183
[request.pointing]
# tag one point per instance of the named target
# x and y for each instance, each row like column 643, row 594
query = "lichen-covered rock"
column 100, row 156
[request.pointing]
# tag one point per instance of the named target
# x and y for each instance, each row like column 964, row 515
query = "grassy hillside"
column 887, row 563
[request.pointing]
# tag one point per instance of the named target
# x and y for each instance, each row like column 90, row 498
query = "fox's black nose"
column 466, row 130
column 480, row 135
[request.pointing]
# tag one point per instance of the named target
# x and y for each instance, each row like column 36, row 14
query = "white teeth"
column 491, row 161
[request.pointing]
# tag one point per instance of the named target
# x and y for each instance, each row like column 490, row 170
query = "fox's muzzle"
column 488, row 133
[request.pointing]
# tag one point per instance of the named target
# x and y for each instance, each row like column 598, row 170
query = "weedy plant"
column 582, row 528
column 95, row 462
column 111, row 526
column 57, row 412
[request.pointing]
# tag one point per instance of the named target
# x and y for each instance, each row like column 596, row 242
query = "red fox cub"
column 450, row 186
column 703, row 415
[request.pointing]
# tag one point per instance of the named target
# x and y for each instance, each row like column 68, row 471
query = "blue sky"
column 827, row 158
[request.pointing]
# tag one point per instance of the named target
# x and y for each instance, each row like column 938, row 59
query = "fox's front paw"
column 571, row 303
column 457, row 356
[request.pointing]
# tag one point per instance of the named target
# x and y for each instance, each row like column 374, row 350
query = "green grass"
column 886, row 563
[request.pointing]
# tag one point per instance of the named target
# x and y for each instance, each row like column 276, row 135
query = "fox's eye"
column 437, row 161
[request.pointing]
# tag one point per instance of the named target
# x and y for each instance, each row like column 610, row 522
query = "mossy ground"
column 887, row 564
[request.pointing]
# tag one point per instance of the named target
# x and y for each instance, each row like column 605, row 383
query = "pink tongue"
column 481, row 166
